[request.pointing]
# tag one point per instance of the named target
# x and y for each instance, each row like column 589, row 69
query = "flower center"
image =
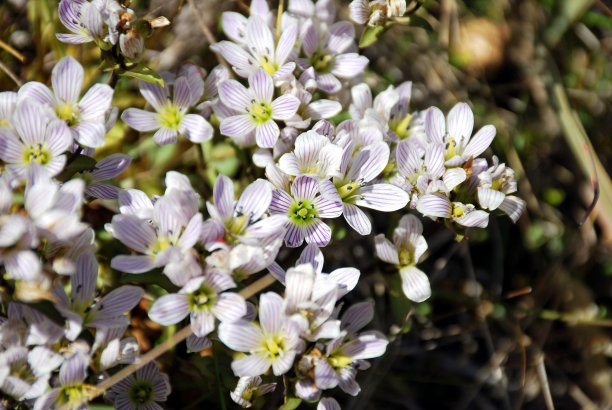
column 37, row 153
column 67, row 112
column 267, row 65
column 449, row 148
column 402, row 128
column 160, row 244
column 321, row 62
column 202, row 299
column 141, row 393
column 4, row 122
column 348, row 189
column 340, row 361
column 274, row 346
column 458, row 211
column 170, row 116
column 260, row 111
column 71, row 395
column 406, row 256
column 303, row 212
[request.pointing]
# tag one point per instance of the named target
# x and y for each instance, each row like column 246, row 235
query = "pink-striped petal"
column 67, row 80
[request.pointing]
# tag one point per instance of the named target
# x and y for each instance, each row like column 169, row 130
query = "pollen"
column 37, row 153
column 303, row 212
column 170, row 116
column 260, row 112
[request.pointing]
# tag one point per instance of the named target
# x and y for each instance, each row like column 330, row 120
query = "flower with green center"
column 171, row 117
column 164, row 234
column 72, row 390
column 304, row 209
column 141, row 390
column 204, row 299
column 87, row 117
column 405, row 252
column 455, row 133
column 327, row 53
column 257, row 109
column 35, row 141
column 344, row 355
column 272, row 344
column 494, row 185
column 250, row 388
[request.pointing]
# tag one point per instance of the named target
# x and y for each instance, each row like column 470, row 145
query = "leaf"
column 371, row 34
column 144, row 73
column 155, row 277
column 291, row 404
column 80, row 163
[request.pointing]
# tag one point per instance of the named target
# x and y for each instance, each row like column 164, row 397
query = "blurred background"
column 520, row 315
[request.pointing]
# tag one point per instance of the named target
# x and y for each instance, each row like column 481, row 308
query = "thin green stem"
column 218, row 377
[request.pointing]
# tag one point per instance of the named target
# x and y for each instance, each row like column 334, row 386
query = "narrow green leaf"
column 291, row 404
column 79, row 164
column 371, row 34
column 155, row 277
column 144, row 73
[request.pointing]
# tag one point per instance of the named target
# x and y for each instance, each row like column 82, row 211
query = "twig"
column 279, row 17
column 11, row 75
column 544, row 382
column 12, row 51
column 219, row 384
column 209, row 35
column 168, row 344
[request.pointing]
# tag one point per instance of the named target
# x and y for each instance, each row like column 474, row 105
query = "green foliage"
column 142, row 72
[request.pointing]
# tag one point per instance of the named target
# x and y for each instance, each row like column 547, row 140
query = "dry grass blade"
column 584, row 152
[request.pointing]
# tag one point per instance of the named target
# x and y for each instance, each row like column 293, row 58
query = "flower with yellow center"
column 257, row 109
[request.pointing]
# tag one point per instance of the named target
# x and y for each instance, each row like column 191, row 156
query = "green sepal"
column 144, row 73
column 291, row 404
column 371, row 34
column 79, row 164
column 155, row 277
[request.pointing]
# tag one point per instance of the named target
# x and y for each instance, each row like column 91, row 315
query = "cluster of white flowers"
column 295, row 80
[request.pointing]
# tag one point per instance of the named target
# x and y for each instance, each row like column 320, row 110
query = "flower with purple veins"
column 456, row 134
column 304, row 209
column 274, row 343
column 405, row 252
column 257, row 109
column 354, row 188
column 170, row 117
column 86, row 117
column 242, row 220
column 330, row 57
column 83, row 19
column 72, row 389
column 494, row 185
column 141, row 390
column 37, row 141
column 314, row 155
column 8, row 101
column 165, row 241
column 105, row 169
column 24, row 374
column 203, row 299
column 82, row 311
column 262, row 51
column 249, row 389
